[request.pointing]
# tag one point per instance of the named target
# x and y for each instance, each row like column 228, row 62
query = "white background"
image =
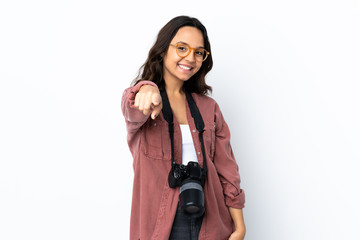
column 286, row 76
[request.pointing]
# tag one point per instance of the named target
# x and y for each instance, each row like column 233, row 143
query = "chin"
column 185, row 78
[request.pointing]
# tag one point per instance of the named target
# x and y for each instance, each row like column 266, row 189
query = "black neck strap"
column 195, row 113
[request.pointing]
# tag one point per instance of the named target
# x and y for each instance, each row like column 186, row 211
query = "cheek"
column 169, row 62
column 171, row 57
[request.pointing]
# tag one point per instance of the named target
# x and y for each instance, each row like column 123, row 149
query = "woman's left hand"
column 237, row 235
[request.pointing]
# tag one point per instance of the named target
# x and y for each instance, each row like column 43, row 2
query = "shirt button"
column 154, row 124
column 198, row 153
column 193, row 130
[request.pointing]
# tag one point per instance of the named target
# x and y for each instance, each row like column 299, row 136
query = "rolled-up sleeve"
column 226, row 165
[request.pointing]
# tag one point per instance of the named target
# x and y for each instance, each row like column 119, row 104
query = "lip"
column 186, row 66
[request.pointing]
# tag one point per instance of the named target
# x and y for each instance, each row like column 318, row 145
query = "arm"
column 238, row 219
column 225, row 163
column 228, row 172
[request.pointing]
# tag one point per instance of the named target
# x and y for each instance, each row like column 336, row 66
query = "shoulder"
column 204, row 99
column 207, row 102
column 208, row 107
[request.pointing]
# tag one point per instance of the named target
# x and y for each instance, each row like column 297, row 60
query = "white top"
column 188, row 148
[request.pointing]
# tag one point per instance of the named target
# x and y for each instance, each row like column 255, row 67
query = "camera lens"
column 192, row 198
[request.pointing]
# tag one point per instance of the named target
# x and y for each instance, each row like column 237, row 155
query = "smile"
column 184, row 67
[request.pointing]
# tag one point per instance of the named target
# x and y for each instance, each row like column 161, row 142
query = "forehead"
column 189, row 35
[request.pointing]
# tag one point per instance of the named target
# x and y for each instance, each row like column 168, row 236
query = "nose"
column 191, row 56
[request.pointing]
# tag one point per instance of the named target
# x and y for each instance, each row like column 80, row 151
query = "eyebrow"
column 189, row 44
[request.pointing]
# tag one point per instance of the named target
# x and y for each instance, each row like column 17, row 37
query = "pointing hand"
column 148, row 100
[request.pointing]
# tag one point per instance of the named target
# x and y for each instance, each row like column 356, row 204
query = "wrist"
column 240, row 228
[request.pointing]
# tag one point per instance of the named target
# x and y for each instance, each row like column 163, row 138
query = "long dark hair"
column 152, row 69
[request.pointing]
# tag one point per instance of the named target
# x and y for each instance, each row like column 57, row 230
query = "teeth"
column 184, row 67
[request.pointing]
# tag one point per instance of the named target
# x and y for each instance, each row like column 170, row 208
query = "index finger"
column 156, row 111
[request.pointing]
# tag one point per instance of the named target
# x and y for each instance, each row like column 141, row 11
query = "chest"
column 178, row 107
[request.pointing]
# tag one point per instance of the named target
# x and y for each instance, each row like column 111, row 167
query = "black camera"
column 191, row 179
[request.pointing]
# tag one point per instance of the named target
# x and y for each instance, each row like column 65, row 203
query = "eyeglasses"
column 183, row 50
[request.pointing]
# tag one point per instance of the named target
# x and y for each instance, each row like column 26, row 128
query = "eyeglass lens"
column 183, row 50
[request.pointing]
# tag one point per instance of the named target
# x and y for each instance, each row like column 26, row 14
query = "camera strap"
column 195, row 113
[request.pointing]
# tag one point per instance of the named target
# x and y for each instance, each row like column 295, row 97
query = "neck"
column 174, row 87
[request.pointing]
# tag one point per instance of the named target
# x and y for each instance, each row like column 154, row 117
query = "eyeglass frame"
column 190, row 50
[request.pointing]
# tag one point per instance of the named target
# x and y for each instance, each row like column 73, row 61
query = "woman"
column 176, row 68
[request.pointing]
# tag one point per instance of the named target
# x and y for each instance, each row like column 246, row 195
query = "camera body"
column 190, row 178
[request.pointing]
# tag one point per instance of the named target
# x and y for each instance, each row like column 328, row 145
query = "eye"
column 182, row 48
column 200, row 52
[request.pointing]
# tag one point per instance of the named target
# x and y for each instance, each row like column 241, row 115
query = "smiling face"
column 177, row 68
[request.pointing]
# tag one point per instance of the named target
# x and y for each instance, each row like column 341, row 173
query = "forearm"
column 238, row 219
